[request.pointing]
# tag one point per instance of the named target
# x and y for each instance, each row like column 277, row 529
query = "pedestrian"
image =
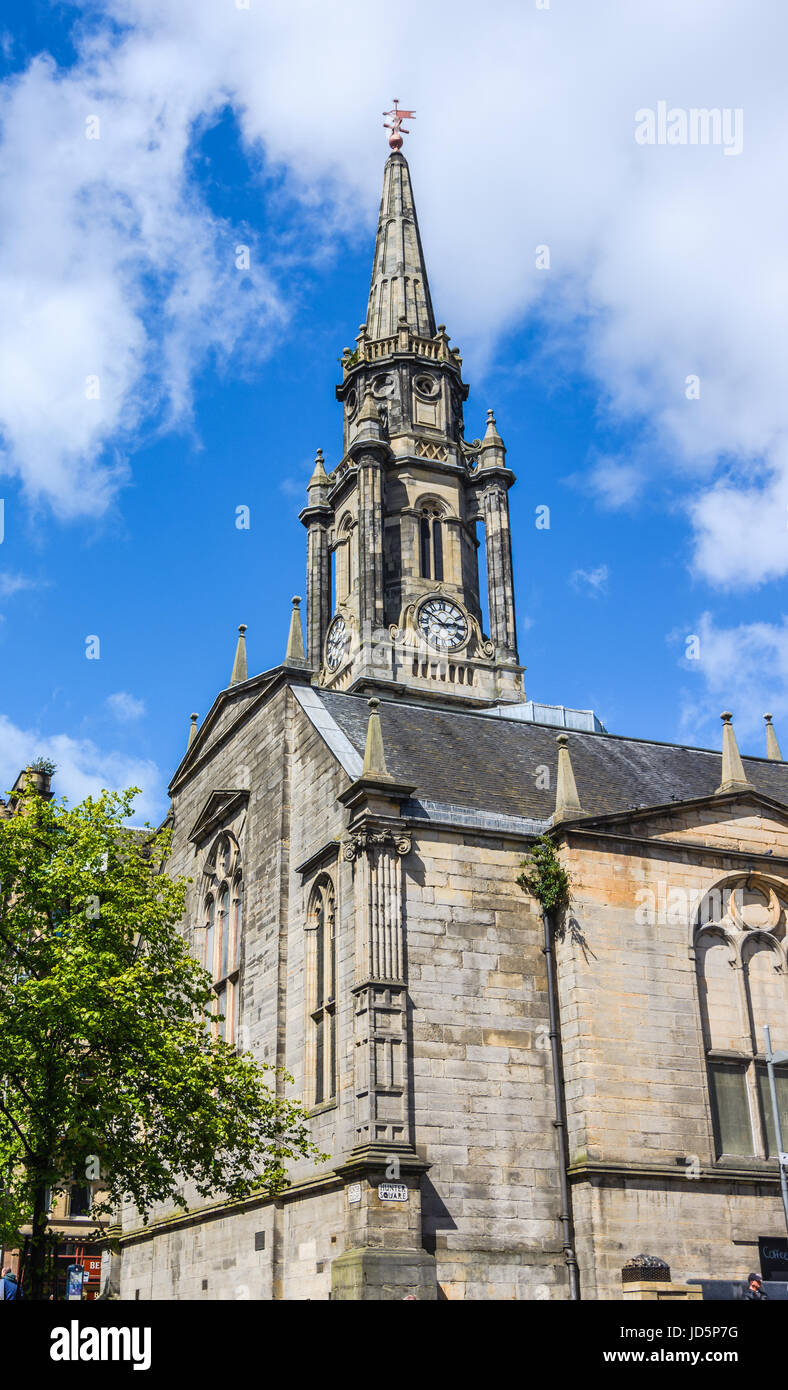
column 755, row 1293
column 11, row 1288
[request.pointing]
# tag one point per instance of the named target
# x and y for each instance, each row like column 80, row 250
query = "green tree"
column 108, row 1067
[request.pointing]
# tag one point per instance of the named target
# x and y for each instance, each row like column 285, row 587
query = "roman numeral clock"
column 443, row 624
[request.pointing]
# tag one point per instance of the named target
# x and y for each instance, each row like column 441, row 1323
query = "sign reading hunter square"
column 773, row 1251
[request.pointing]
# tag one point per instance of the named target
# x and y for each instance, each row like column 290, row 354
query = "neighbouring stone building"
column 354, row 823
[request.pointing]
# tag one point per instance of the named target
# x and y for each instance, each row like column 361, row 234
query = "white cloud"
column 744, row 669
column 14, row 583
column 83, row 769
column 593, row 582
column 125, row 707
column 666, row 261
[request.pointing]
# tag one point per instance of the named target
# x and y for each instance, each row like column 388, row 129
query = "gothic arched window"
column 740, row 955
column 431, row 540
column 223, row 922
column 322, row 989
column 344, row 565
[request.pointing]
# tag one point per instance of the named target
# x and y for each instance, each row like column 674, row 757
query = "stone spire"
column 772, row 746
column 400, row 289
column 192, row 731
column 374, row 755
column 295, row 654
column 567, row 802
column 318, row 484
column 493, row 452
column 239, row 665
column 733, row 775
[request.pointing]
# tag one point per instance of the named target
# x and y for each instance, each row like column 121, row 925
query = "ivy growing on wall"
column 544, row 876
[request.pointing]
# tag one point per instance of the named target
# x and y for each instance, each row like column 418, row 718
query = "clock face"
column 443, row 624
column 336, row 643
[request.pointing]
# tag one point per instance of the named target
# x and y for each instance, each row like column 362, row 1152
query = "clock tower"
column 394, row 528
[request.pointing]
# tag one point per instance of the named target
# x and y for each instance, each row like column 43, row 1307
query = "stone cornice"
column 622, row 1169
column 695, row 848
column 324, row 1182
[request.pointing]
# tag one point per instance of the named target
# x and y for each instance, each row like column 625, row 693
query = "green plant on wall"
column 544, row 876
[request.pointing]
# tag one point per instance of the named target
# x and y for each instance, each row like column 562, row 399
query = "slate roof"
column 467, row 759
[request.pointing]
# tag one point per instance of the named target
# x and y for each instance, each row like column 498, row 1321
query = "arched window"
column 223, row 922
column 344, row 565
column 431, row 541
column 210, row 922
column 740, row 957
column 322, row 1001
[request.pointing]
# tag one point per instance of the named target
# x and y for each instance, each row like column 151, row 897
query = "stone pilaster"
column 500, row 577
column 382, row 1118
column 370, row 544
column 318, row 571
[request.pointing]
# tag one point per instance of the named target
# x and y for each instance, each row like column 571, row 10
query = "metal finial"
column 395, row 125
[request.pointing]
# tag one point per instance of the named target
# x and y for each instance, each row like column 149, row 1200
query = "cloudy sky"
column 622, row 304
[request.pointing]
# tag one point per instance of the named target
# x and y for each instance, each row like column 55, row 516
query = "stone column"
column 500, row 577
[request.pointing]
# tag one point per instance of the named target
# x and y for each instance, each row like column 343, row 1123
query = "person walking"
column 755, row 1293
column 11, row 1288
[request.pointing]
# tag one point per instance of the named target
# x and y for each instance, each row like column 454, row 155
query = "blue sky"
column 667, row 515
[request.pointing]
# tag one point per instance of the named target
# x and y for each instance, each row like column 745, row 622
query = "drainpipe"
column 560, row 1111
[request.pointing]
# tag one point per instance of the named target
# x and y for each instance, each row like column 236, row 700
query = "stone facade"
column 382, row 950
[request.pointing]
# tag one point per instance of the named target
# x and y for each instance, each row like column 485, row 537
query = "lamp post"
column 771, row 1059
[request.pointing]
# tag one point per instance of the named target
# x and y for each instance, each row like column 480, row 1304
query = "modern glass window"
column 322, row 915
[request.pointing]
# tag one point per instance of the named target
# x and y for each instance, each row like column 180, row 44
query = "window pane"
column 224, row 930
column 79, row 1204
column 221, row 1000
column 437, row 543
column 425, row 547
column 332, row 1056
column 767, row 1114
column 319, row 1061
column 331, row 947
column 730, row 1109
column 209, row 930
column 237, row 916
column 320, row 946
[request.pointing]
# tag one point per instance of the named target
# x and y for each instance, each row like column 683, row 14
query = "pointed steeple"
column 295, row 654
column 374, row 755
column 733, row 774
column 567, row 801
column 772, row 746
column 400, row 289
column 239, row 665
column 192, row 731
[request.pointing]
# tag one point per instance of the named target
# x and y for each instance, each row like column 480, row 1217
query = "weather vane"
column 395, row 125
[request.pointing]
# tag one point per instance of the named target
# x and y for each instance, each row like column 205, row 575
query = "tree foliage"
column 108, row 1067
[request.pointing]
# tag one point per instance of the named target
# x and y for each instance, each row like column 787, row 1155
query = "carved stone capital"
column 362, row 841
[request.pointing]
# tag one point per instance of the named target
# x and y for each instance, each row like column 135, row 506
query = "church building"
column 512, row 1109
